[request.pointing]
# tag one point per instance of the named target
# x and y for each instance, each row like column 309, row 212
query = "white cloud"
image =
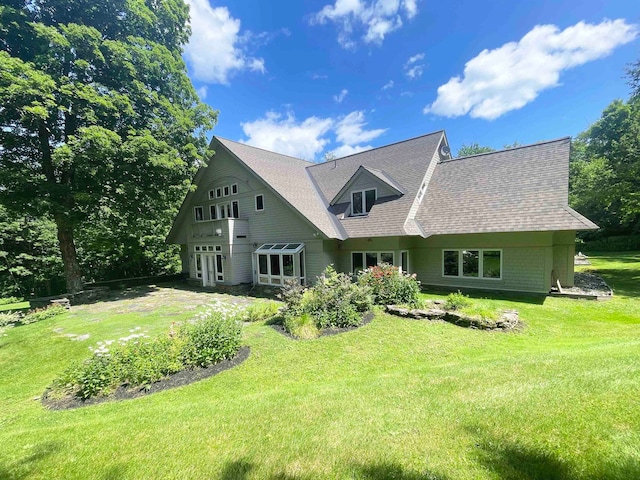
column 344, row 150
column 283, row 134
column 388, row 85
column 202, row 92
column 216, row 49
column 412, row 68
column 307, row 138
column 350, row 129
column 340, row 97
column 374, row 19
column 507, row 78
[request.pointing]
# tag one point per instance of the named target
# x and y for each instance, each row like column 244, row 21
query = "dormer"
column 364, row 187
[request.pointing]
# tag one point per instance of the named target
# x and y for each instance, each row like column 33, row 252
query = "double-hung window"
column 362, row 201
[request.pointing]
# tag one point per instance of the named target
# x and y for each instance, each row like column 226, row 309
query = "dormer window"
column 362, row 201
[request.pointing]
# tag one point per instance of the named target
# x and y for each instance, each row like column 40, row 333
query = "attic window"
column 362, row 201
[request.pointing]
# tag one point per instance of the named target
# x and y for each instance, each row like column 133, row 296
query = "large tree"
column 98, row 117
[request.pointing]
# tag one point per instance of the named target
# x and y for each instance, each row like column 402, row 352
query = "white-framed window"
column 362, row 201
column 404, row 261
column 225, row 191
column 363, row 260
column 259, row 203
column 234, row 189
column 198, row 214
column 481, row 263
column 213, row 212
column 278, row 262
column 218, row 192
column 212, row 194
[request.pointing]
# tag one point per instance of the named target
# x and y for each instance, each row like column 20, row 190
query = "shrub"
column 138, row 361
column 41, row 314
column 10, row 300
column 301, row 326
column 457, row 301
column 334, row 301
column 261, row 312
column 389, row 286
column 212, row 339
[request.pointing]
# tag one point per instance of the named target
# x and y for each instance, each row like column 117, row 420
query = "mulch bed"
column 366, row 318
column 185, row 377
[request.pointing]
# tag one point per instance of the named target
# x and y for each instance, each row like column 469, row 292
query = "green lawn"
column 397, row 398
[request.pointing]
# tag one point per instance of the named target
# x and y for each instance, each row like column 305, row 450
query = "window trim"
column 364, row 201
column 480, row 263
column 195, row 217
column 364, row 258
column 255, row 202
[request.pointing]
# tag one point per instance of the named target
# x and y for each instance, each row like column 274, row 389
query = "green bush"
column 10, row 300
column 137, row 361
column 41, row 314
column 261, row 312
column 334, row 301
column 389, row 286
column 301, row 326
column 212, row 339
column 457, row 301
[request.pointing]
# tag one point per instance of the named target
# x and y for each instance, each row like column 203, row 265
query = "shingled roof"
column 523, row 189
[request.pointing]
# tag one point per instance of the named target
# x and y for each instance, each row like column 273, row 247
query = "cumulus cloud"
column 307, row 138
column 372, row 20
column 216, row 49
column 350, row 129
column 511, row 76
column 340, row 97
column 344, row 150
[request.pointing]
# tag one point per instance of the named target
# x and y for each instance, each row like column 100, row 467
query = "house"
column 497, row 220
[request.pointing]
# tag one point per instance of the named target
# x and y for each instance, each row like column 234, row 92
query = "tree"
column 473, row 149
column 98, row 117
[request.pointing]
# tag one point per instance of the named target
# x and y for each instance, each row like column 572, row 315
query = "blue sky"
column 309, row 77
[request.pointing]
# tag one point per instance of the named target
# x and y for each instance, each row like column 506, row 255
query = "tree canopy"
column 100, row 124
column 473, row 149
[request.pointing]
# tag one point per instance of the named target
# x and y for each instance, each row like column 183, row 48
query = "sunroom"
column 278, row 262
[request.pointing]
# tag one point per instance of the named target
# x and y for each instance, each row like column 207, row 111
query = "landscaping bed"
column 124, row 392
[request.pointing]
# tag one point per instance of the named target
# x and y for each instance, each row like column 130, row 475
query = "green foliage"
column 29, row 256
column 457, row 301
column 139, row 361
column 389, row 286
column 301, row 326
column 101, row 129
column 333, row 302
column 261, row 312
column 10, row 300
column 210, row 340
column 40, row 314
column 473, row 149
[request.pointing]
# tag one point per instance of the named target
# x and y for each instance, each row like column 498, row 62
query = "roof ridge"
column 544, row 142
column 378, row 148
column 264, row 149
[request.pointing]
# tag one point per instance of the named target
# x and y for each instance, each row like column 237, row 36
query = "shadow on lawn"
column 518, row 462
column 26, row 466
column 241, row 470
column 532, row 298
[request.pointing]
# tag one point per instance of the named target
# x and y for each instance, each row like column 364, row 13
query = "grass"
column 396, row 398
column 14, row 306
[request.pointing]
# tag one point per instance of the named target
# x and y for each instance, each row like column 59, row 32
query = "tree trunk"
column 69, row 257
